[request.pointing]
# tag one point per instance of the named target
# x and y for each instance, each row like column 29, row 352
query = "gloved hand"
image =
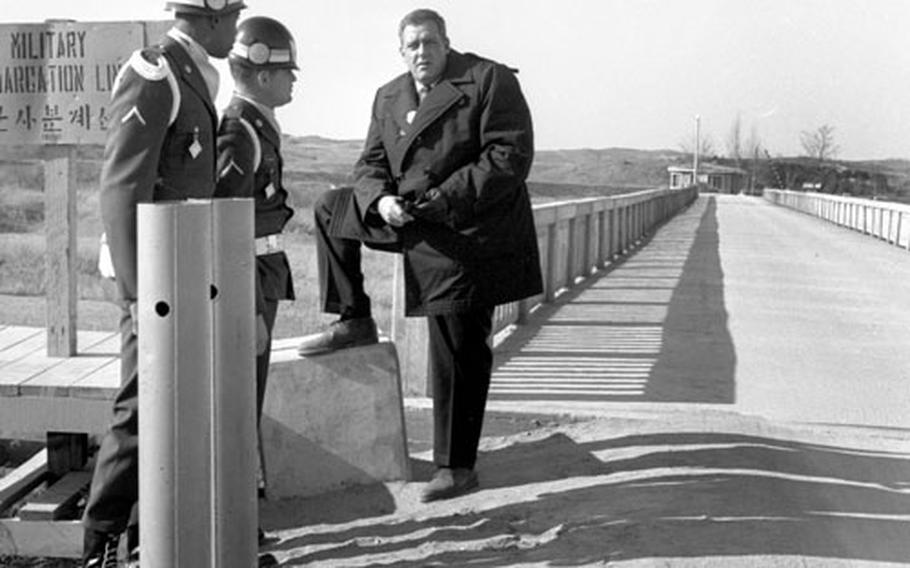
column 432, row 206
column 391, row 209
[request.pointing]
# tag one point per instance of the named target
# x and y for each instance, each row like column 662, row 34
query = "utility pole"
column 695, row 154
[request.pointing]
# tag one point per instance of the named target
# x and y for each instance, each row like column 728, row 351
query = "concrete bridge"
column 736, row 304
column 745, row 375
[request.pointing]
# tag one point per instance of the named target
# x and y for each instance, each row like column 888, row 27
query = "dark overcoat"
column 250, row 165
column 471, row 140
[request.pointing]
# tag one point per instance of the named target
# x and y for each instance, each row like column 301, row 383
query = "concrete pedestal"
column 333, row 420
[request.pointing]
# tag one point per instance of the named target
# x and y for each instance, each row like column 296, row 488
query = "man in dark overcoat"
column 160, row 146
column 441, row 179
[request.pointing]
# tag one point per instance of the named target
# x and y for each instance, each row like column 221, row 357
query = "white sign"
column 56, row 78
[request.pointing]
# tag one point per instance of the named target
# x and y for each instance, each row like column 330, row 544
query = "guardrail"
column 884, row 220
column 575, row 238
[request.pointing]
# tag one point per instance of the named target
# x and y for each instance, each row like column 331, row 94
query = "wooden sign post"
column 56, row 80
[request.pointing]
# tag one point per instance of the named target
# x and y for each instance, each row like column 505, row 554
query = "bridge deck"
column 735, row 303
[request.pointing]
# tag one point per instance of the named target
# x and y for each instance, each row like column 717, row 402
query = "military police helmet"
column 205, row 7
column 264, row 43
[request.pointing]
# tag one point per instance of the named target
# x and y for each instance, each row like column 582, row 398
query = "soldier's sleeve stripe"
column 133, row 112
column 254, row 138
column 232, row 166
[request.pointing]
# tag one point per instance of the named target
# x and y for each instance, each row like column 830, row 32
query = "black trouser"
column 340, row 276
column 115, row 483
column 460, row 356
column 460, row 365
column 262, row 361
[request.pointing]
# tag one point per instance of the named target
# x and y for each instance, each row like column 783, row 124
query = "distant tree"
column 819, row 143
column 705, row 146
column 753, row 150
column 735, row 140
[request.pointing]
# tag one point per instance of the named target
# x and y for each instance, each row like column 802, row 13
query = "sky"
column 608, row 73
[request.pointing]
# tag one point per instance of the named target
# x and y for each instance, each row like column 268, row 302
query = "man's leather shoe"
column 267, row 561
column 340, row 335
column 449, row 482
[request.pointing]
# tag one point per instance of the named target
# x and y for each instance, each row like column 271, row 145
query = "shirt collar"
column 200, row 57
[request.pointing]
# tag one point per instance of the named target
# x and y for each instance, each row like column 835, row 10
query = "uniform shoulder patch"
column 149, row 64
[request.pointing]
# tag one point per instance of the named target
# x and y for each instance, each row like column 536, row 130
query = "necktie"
column 422, row 92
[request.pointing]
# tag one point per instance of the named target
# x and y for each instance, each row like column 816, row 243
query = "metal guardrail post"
column 196, row 384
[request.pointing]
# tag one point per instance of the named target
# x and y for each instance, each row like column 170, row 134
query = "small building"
column 711, row 177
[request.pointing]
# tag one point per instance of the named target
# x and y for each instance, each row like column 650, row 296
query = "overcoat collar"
column 446, row 93
column 186, row 70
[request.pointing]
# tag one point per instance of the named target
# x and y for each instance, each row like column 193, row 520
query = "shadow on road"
column 653, row 328
column 698, row 494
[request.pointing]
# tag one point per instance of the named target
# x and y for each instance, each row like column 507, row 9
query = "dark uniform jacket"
column 471, row 140
column 161, row 146
column 250, row 165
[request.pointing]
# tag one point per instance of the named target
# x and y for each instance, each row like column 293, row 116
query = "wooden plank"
column 49, row 539
column 12, row 334
column 108, row 346
column 66, row 452
column 41, row 374
column 23, row 479
column 103, row 383
column 9, row 382
column 60, row 380
column 60, row 231
column 60, row 499
column 30, row 417
column 23, row 348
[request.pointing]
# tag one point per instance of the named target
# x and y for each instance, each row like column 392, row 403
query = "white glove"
column 105, row 266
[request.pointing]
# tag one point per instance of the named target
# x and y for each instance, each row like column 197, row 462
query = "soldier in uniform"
column 161, row 146
column 263, row 61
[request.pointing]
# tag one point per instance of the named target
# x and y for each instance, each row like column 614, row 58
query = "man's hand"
column 262, row 335
column 391, row 210
column 432, row 207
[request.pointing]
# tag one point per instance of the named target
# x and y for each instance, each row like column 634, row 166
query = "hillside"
column 313, row 163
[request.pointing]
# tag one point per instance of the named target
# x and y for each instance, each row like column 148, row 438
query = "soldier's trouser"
column 262, row 361
column 461, row 361
column 115, row 483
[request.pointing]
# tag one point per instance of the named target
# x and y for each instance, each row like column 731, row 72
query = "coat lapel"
column 189, row 73
column 441, row 98
column 403, row 106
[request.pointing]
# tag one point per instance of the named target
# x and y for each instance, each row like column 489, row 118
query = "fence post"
column 60, row 234
column 411, row 337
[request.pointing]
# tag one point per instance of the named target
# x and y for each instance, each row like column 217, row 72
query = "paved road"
column 820, row 317
column 747, row 374
column 734, row 305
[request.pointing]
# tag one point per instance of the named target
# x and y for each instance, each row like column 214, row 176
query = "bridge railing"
column 575, row 238
column 884, row 220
